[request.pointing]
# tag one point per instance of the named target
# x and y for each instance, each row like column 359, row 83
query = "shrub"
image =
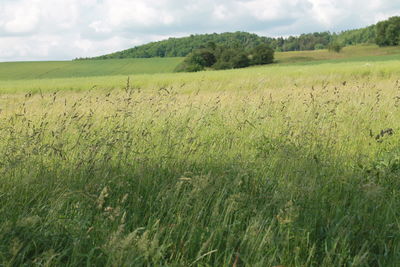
column 262, row 54
column 240, row 60
column 225, row 59
column 197, row 61
column 204, row 57
column 231, row 58
column 219, row 58
column 187, row 66
column 335, row 47
column 222, row 65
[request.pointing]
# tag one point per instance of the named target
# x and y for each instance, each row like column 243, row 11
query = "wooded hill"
column 180, row 47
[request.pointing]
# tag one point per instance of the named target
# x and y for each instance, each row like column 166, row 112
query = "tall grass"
column 303, row 175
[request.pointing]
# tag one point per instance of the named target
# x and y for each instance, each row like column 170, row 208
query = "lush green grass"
column 277, row 165
column 85, row 68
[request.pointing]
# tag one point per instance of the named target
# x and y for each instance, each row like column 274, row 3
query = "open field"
column 85, row 68
column 350, row 53
column 13, row 71
column 293, row 165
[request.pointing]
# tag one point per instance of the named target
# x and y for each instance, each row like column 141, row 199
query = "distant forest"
column 181, row 47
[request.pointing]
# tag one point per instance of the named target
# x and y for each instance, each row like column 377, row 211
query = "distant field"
column 12, row 71
column 85, row 68
column 350, row 53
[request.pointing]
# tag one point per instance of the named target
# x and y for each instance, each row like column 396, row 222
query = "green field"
column 350, row 53
column 290, row 164
column 12, row 71
column 85, row 68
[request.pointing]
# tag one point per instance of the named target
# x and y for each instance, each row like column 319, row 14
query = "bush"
column 231, row 58
column 335, row 47
column 186, row 66
column 225, row 58
column 220, row 58
column 262, row 54
column 222, row 65
column 204, row 57
column 240, row 60
column 197, row 61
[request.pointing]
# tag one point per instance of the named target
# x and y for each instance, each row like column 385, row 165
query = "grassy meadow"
column 85, row 68
column 283, row 165
column 349, row 53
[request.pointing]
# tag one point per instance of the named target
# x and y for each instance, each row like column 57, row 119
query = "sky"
column 67, row 29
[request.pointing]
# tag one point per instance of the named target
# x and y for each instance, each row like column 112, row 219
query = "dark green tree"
column 197, row 60
column 211, row 45
column 388, row 32
column 225, row 57
column 240, row 60
column 262, row 54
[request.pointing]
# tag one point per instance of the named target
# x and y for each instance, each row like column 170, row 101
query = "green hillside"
column 180, row 47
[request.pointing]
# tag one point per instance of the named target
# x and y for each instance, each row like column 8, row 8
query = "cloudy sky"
column 66, row 29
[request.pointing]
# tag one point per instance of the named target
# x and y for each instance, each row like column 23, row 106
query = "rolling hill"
column 180, row 47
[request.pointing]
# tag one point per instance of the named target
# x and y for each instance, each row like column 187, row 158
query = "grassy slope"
column 266, row 166
column 361, row 52
column 86, row 68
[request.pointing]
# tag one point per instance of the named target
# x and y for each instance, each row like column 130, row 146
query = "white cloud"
column 64, row 29
column 22, row 20
column 100, row 27
column 220, row 12
column 327, row 11
column 275, row 10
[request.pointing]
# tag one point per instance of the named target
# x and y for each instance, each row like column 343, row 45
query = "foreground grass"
column 235, row 169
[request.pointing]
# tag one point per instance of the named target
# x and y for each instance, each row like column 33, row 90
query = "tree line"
column 384, row 33
column 388, row 32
